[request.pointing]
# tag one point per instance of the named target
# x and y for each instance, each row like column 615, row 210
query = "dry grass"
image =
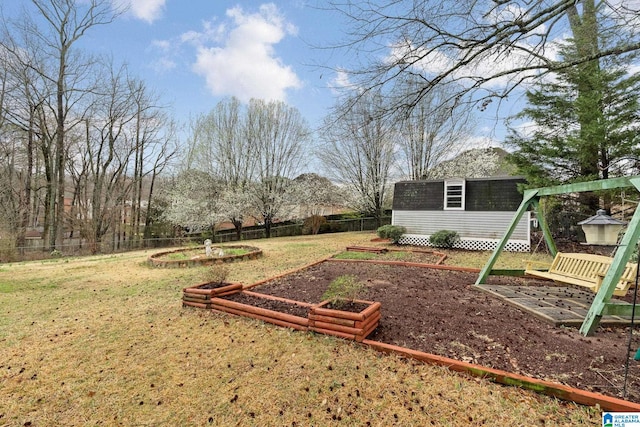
column 103, row 340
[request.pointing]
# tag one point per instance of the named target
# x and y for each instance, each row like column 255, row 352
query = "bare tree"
column 165, row 150
column 107, row 133
column 485, row 47
column 153, row 135
column 10, row 164
column 359, row 151
column 44, row 40
column 101, row 155
column 17, row 147
column 436, row 129
column 23, row 97
column 126, row 140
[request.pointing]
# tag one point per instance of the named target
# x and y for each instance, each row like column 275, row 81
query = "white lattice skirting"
column 469, row 244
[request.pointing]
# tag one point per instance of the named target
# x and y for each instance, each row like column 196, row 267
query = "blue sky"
column 211, row 49
column 194, row 53
column 197, row 52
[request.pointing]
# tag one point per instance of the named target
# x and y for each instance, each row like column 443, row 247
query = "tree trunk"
column 585, row 35
column 267, row 227
column 379, row 211
column 147, row 230
column 49, row 203
column 25, row 202
column 58, row 220
column 237, row 224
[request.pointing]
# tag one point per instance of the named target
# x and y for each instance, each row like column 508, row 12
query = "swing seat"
column 585, row 270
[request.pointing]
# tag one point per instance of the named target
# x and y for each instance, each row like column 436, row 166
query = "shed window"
column 454, row 194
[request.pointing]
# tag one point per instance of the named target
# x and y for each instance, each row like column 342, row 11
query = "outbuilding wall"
column 490, row 205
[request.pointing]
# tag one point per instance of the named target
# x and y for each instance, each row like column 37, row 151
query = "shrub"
column 56, row 254
column 217, row 273
column 342, row 289
column 332, row 227
column 444, row 238
column 393, row 232
column 8, row 250
column 313, row 223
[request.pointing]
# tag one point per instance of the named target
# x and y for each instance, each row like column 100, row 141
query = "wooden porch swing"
column 603, row 275
column 584, row 270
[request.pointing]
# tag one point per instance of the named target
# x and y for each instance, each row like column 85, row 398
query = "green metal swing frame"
column 601, row 304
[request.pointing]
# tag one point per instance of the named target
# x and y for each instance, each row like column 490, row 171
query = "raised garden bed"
column 439, row 312
column 194, row 257
column 200, row 296
column 392, row 255
column 279, row 311
column 352, row 320
column 437, row 316
column 370, row 249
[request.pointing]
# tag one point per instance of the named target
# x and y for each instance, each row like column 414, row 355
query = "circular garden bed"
column 194, row 257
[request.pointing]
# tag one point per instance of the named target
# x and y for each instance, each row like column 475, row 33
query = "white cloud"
column 340, row 82
column 211, row 33
column 163, row 65
column 163, row 45
column 166, row 61
column 146, row 10
column 487, row 64
column 238, row 57
column 479, row 141
column 526, row 129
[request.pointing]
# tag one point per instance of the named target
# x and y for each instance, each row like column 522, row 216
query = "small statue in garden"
column 207, row 247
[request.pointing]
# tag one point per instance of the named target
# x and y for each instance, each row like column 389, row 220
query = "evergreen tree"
column 585, row 125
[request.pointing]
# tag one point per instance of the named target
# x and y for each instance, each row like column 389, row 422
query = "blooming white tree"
column 278, row 133
column 236, row 204
column 193, row 200
column 315, row 194
column 251, row 152
column 359, row 151
column 220, row 148
column 475, row 163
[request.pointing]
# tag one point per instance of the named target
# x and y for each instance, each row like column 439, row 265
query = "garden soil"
column 440, row 312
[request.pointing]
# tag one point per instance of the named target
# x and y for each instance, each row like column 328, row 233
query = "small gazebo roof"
column 601, row 218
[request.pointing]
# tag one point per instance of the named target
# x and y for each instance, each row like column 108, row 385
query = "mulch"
column 440, row 312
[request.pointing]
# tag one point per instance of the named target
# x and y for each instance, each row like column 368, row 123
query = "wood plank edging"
column 549, row 388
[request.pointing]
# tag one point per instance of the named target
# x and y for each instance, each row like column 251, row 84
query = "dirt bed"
column 280, row 306
column 439, row 312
